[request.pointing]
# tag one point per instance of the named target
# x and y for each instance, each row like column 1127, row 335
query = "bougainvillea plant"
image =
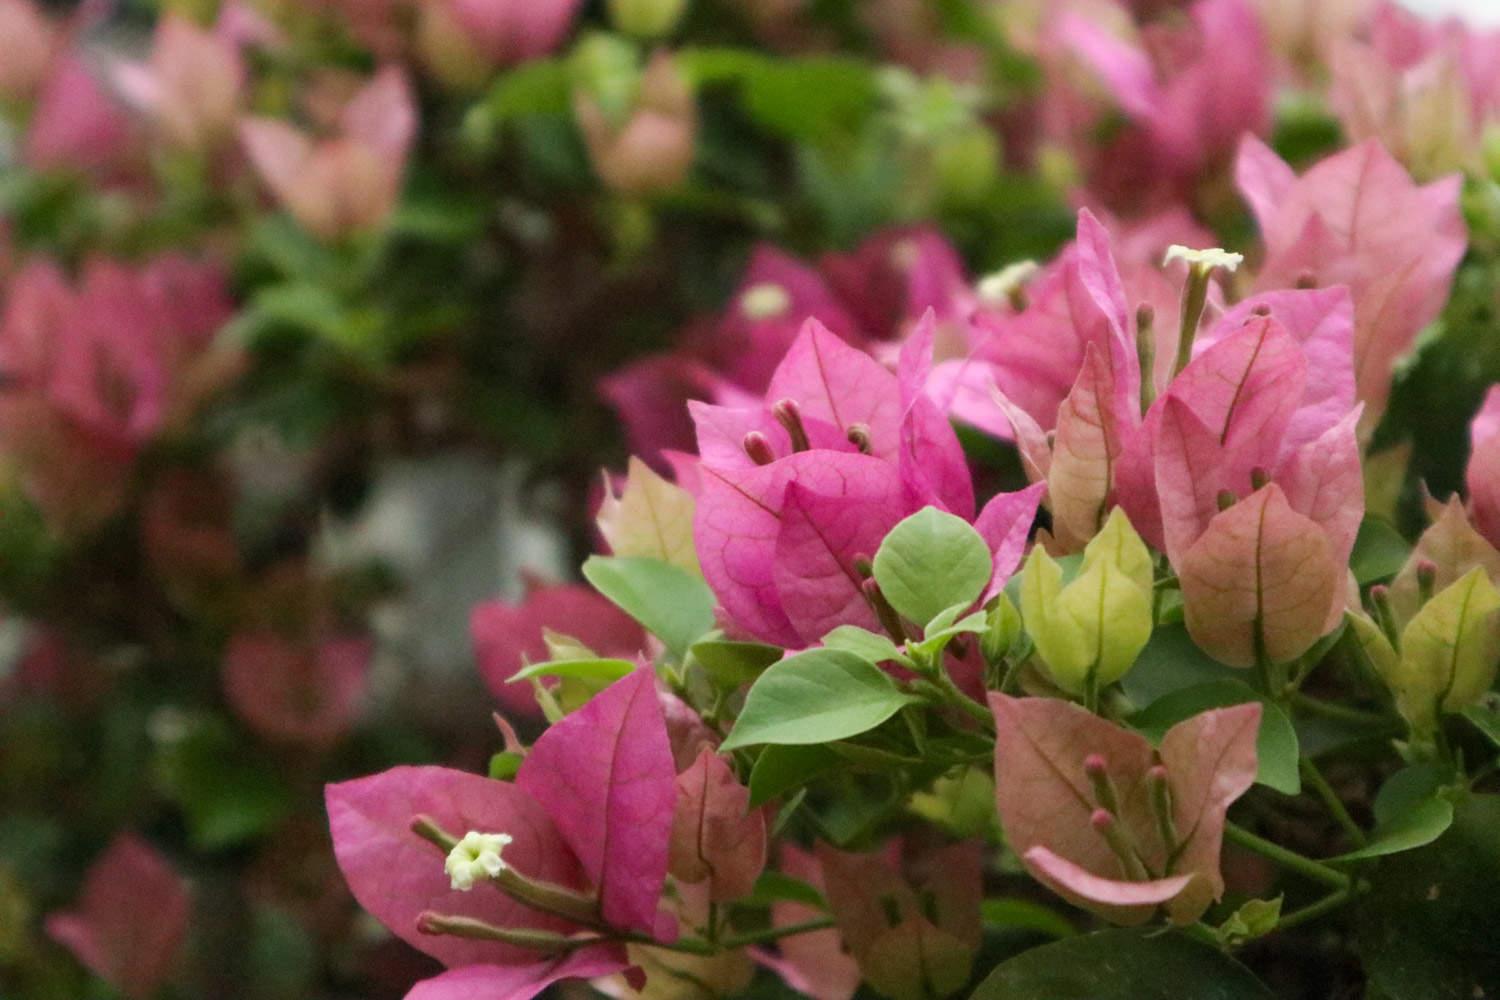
column 1061, row 496
column 1144, row 684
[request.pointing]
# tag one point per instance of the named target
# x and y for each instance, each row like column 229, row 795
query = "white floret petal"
column 476, row 856
column 1208, row 258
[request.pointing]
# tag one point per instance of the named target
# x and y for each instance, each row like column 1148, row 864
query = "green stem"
column 951, row 695
column 1339, row 713
column 1194, row 298
column 1315, row 870
column 777, row 933
column 1313, row 911
column 1324, row 790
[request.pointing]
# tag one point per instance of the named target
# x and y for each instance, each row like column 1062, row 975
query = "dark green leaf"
column 818, row 696
column 1171, row 662
column 1123, row 965
column 1486, row 716
column 674, row 605
column 780, row 769
column 1415, row 828
column 1024, row 915
column 731, row 664
column 774, row 887
column 1426, row 930
column 1379, row 552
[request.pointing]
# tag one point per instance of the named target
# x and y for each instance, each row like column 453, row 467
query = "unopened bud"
column 1426, row 579
column 789, row 415
column 1307, row 280
column 1259, row 478
column 859, row 436
column 1226, row 499
column 1008, row 285
column 758, row 447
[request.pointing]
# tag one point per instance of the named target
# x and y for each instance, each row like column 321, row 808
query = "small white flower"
column 996, row 289
column 475, row 857
column 1206, row 260
column 766, row 300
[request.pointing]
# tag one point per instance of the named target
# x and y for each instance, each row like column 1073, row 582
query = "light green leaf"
column 672, row 604
column 930, row 562
column 818, row 696
column 865, row 644
column 598, row 673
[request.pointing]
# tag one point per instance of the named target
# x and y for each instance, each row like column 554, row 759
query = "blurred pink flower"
column 512, row 31
column 1483, row 474
column 130, row 921
column 27, row 41
column 97, row 370
column 1358, row 219
column 76, row 125
column 348, row 183
column 652, row 149
column 306, row 691
column 189, row 89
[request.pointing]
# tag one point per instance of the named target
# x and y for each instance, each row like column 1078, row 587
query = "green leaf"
column 1024, row 915
column 818, row 696
column 1123, row 965
column 504, row 765
column 1276, row 748
column 930, row 562
column 1379, row 551
column 1426, row 929
column 597, row 674
column 539, row 87
column 731, row 664
column 774, row 887
column 1408, row 788
column 865, row 644
column 779, row 769
column 811, row 100
column 671, row 603
column 1171, row 662
column 227, row 793
column 1418, row 827
column 1486, row 716
column 1256, row 918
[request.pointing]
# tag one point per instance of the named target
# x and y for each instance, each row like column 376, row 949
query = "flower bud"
column 1002, row 629
column 1091, row 631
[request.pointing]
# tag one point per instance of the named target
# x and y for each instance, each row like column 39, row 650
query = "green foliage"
column 1122, row 965
column 930, row 562
column 672, row 604
column 818, row 696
